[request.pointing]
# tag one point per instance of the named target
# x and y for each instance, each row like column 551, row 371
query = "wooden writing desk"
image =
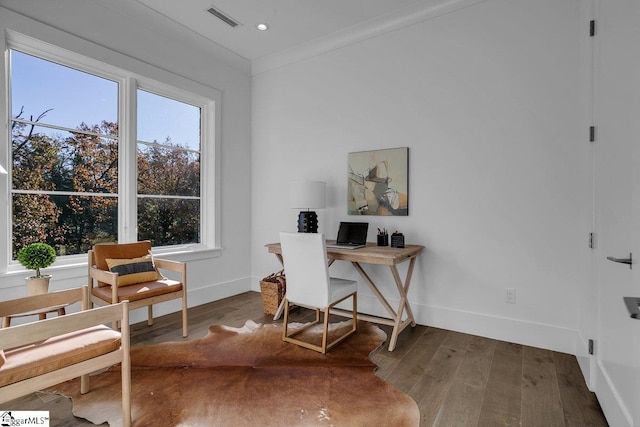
column 381, row 255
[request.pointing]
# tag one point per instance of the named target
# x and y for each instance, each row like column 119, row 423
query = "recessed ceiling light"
column 262, row 26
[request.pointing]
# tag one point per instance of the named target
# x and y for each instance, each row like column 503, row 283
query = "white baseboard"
column 504, row 329
column 614, row 410
column 539, row 335
column 586, row 361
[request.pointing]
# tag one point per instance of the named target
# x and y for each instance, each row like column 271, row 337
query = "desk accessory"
column 383, row 237
column 307, row 195
column 397, row 240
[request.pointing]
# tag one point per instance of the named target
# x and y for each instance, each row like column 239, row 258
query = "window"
column 168, row 170
column 64, row 132
column 79, row 175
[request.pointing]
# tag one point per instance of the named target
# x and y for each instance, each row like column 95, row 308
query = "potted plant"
column 35, row 257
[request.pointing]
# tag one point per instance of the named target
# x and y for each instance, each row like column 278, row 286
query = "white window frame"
column 205, row 115
column 130, row 79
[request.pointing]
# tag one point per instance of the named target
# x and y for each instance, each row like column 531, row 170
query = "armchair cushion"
column 103, row 251
column 57, row 352
column 133, row 270
column 138, row 291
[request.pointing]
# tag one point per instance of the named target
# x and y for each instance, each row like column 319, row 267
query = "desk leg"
column 399, row 324
column 403, row 289
column 279, row 311
column 375, row 289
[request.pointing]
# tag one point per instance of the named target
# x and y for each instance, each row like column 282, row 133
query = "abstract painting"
column 379, row 182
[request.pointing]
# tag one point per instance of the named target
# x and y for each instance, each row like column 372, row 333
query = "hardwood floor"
column 456, row 379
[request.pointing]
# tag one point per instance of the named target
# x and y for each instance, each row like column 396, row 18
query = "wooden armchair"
column 126, row 271
column 40, row 354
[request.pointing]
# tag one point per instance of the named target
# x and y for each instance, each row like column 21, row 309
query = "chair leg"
column 354, row 321
column 325, row 331
column 285, row 321
column 185, row 328
column 150, row 314
column 84, row 384
column 125, row 371
column 325, row 344
column 355, row 311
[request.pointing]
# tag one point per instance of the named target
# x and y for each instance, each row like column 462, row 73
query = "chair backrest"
column 102, row 251
column 305, row 267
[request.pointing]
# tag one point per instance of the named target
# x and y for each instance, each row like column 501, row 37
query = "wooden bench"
column 43, row 353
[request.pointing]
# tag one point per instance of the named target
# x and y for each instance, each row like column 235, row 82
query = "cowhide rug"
column 248, row 377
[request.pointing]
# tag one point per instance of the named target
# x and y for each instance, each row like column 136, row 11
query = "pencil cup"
column 383, row 240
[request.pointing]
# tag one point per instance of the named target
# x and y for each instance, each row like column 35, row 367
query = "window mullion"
column 127, row 186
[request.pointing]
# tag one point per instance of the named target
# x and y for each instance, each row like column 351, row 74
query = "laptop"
column 351, row 235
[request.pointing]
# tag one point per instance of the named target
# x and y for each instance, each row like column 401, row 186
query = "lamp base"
column 307, row 222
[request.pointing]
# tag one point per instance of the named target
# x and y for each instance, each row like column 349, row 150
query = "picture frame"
column 378, row 182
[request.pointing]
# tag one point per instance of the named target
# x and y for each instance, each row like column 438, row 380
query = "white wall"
column 151, row 44
column 487, row 98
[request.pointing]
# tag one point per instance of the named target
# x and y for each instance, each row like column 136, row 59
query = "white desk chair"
column 309, row 286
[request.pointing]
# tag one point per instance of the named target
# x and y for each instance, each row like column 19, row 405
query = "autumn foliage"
column 78, row 173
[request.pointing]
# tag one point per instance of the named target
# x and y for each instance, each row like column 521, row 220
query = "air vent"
column 223, row 17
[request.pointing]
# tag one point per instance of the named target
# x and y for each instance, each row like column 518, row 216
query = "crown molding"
column 357, row 33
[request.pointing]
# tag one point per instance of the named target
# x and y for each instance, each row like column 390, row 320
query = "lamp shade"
column 307, row 195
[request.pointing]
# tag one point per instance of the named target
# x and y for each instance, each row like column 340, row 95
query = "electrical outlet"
column 510, row 295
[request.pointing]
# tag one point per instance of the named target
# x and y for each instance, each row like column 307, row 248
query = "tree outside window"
column 168, row 171
column 66, row 144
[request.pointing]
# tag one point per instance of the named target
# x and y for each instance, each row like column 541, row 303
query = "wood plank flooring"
column 456, row 379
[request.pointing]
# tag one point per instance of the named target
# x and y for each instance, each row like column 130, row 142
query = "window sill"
column 65, row 266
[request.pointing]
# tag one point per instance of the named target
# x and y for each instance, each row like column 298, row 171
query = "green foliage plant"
column 36, row 256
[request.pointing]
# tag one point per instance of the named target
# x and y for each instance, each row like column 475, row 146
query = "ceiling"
column 292, row 23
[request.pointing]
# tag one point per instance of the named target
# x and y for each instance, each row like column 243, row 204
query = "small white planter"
column 37, row 285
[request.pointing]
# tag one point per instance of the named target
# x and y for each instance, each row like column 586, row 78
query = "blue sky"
column 75, row 97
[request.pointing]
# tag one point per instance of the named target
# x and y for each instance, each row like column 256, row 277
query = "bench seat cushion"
column 57, row 352
column 138, row 291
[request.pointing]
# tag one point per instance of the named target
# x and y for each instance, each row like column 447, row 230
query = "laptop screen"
column 353, row 232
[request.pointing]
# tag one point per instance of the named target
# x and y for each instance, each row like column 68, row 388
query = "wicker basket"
column 273, row 288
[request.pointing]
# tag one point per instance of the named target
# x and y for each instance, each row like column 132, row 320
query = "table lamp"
column 307, row 195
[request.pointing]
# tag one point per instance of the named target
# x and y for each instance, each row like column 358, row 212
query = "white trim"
column 73, row 266
column 5, row 180
column 65, row 129
column 130, row 74
column 534, row 334
column 611, row 403
column 127, row 155
column 357, row 33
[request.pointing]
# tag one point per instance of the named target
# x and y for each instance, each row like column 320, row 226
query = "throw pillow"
column 132, row 271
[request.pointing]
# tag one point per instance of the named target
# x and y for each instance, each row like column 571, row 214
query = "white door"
column 618, row 229
column 617, row 212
